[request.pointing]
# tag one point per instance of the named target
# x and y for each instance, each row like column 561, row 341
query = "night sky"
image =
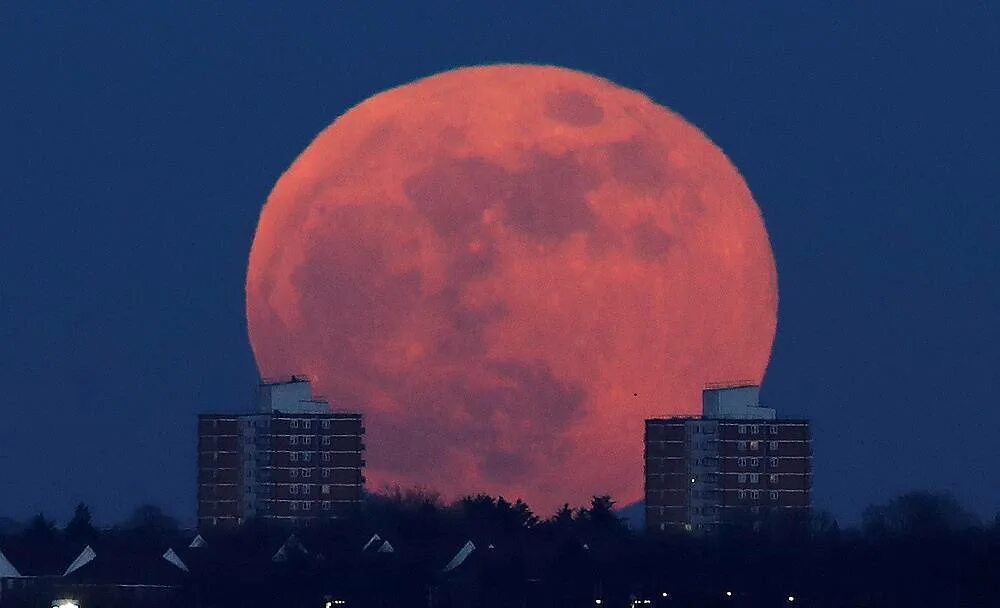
column 139, row 144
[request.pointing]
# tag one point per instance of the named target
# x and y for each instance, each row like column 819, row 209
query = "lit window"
column 754, row 445
column 754, row 478
column 307, row 456
column 294, row 424
column 741, row 446
column 773, row 461
column 325, row 489
column 774, row 478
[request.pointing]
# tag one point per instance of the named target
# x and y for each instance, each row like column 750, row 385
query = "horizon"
column 142, row 143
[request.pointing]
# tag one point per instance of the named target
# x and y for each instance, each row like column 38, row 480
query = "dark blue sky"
column 138, row 145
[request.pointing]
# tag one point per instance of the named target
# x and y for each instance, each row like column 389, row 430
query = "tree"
column 80, row 529
column 40, row 529
column 917, row 514
column 151, row 519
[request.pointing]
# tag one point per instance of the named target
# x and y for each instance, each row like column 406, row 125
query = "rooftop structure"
column 293, row 459
column 737, row 463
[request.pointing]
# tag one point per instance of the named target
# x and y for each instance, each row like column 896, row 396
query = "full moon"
column 507, row 269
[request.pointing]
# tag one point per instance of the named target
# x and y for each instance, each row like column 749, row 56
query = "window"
column 774, row 430
column 293, row 473
column 306, row 472
column 307, row 440
column 326, row 472
column 774, row 495
column 294, row 440
column 326, row 505
column 294, row 506
column 325, row 489
column 294, row 424
column 773, row 461
column 741, row 446
column 293, row 457
column 307, row 424
column 741, row 478
column 293, row 489
column 306, row 489
column 326, row 424
column 774, row 478
column 741, row 493
column 307, row 456
column 754, row 477
column 743, row 462
column 326, row 440
column 326, row 456
column 755, row 462
column 772, row 445
column 755, row 428
column 742, row 429
column 755, row 445
column 755, row 494
column 306, row 505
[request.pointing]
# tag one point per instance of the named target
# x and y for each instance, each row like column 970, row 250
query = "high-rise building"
column 292, row 460
column 737, row 463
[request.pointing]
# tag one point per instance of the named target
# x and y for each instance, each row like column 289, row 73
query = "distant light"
column 692, row 480
column 65, row 604
column 791, row 598
column 729, row 594
column 647, row 601
column 597, row 601
column 665, row 594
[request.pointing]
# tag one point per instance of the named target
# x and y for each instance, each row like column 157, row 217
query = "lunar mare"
column 507, row 269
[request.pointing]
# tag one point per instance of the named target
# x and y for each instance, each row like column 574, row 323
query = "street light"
column 598, row 601
column 65, row 603
column 729, row 594
column 791, row 599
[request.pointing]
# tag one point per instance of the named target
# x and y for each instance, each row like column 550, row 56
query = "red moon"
column 507, row 269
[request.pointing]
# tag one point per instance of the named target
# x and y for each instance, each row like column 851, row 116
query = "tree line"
column 919, row 549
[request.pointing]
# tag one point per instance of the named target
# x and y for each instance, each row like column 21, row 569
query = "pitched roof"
column 7, row 569
column 172, row 557
column 86, row 556
column 198, row 542
column 460, row 557
column 374, row 540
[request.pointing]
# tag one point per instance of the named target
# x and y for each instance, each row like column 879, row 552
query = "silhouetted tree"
column 917, row 514
column 151, row 520
column 79, row 529
column 40, row 529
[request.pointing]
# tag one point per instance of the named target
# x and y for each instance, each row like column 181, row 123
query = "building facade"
column 292, row 460
column 736, row 464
